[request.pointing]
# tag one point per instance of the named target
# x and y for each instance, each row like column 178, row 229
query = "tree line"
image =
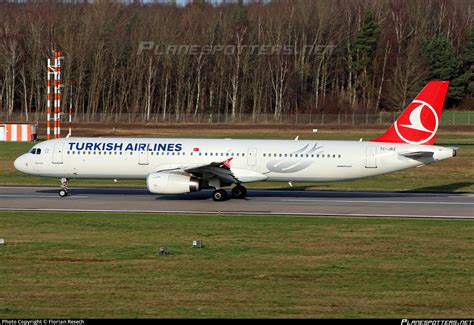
column 272, row 57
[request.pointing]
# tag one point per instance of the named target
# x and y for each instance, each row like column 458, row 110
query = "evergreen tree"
column 443, row 64
column 365, row 43
column 363, row 53
column 468, row 62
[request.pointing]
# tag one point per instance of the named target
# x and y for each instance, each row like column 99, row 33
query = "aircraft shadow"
column 445, row 188
column 100, row 191
column 268, row 193
column 263, row 193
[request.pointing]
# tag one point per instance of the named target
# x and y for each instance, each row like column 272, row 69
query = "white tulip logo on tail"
column 421, row 124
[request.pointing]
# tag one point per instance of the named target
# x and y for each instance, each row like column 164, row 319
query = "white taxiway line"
column 41, row 196
column 378, row 201
column 259, row 213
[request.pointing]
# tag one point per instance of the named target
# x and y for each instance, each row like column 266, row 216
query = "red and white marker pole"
column 57, row 89
column 55, row 71
column 48, row 101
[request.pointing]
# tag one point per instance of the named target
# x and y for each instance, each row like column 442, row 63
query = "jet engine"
column 172, row 183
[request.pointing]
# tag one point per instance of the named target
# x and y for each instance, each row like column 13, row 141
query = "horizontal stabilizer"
column 417, row 154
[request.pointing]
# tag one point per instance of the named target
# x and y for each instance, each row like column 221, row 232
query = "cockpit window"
column 33, row 151
column 38, row 151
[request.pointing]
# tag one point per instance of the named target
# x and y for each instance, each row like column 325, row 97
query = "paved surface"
column 278, row 202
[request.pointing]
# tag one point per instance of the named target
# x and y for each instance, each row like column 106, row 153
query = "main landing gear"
column 219, row 195
column 64, row 187
column 238, row 192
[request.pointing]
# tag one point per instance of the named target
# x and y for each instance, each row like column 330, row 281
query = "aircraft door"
column 143, row 157
column 252, row 157
column 371, row 157
column 58, row 153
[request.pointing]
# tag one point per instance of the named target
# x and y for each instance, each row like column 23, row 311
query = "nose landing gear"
column 63, row 192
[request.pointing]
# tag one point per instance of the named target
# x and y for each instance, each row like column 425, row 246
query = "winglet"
column 420, row 120
column 226, row 163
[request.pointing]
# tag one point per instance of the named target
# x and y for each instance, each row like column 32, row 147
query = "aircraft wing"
column 220, row 170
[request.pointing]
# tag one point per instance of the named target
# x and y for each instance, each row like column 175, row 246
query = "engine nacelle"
column 171, row 183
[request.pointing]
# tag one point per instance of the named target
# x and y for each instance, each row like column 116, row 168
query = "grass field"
column 80, row 265
column 455, row 174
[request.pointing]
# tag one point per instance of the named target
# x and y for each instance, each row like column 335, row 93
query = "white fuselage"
column 253, row 160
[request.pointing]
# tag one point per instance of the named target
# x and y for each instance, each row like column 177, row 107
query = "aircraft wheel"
column 219, row 195
column 239, row 192
column 63, row 193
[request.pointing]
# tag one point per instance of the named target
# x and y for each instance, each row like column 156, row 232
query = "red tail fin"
column 419, row 122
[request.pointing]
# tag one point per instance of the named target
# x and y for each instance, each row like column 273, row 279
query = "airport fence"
column 457, row 118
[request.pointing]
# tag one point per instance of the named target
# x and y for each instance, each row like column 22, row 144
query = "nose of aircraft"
column 21, row 164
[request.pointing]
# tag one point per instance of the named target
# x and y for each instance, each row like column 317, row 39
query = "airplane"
column 176, row 166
